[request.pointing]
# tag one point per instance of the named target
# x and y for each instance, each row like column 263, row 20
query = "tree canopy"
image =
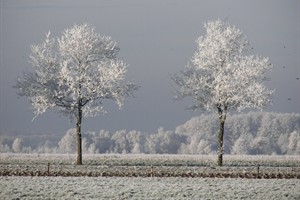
column 221, row 76
column 81, row 67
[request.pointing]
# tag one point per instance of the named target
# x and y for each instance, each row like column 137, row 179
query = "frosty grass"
column 32, row 187
column 147, row 188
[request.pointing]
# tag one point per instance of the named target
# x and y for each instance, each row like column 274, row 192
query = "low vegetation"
column 267, row 167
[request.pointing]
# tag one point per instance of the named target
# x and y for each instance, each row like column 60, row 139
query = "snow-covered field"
column 26, row 176
column 154, row 159
column 147, row 188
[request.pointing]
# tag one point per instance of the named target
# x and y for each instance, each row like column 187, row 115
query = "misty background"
column 156, row 39
column 253, row 133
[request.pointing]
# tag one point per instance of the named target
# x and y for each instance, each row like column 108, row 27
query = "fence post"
column 152, row 172
column 48, row 169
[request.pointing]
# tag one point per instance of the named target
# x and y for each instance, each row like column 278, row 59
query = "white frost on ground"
column 147, row 188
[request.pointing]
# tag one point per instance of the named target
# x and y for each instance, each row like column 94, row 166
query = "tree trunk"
column 222, row 118
column 221, row 145
column 79, row 137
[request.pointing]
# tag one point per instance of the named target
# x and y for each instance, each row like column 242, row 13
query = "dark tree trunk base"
column 222, row 118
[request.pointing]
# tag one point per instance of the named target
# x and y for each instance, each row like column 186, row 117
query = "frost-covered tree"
column 222, row 77
column 67, row 144
column 294, row 142
column 17, row 145
column 120, row 142
column 136, row 141
column 74, row 74
column 242, row 145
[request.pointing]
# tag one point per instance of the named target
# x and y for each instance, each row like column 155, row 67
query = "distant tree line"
column 251, row 133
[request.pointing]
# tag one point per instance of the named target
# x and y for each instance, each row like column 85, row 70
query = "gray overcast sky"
column 157, row 39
